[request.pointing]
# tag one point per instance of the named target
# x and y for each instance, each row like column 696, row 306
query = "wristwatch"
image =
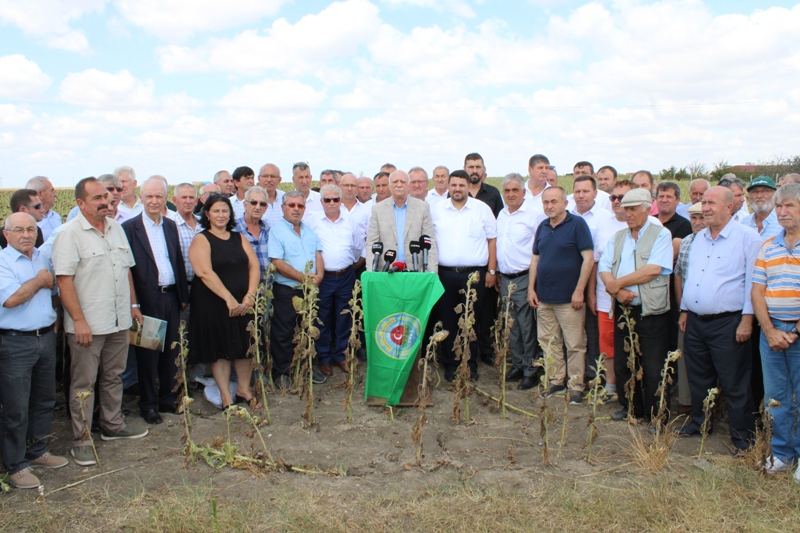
column 794, row 330
column 135, row 306
column 492, row 272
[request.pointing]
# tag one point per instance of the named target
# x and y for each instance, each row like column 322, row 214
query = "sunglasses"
column 329, row 200
column 112, row 189
column 37, row 206
column 256, row 202
column 295, row 206
column 614, row 197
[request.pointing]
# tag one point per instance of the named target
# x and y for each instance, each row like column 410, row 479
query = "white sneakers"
column 774, row 465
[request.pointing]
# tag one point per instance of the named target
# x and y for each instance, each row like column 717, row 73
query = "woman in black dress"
column 227, row 273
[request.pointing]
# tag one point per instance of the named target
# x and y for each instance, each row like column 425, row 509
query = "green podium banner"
column 396, row 311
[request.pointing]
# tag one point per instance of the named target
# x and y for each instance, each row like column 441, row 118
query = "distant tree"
column 674, row 173
column 720, row 169
column 698, row 170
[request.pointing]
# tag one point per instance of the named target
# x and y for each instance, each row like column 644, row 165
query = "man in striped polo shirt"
column 776, row 303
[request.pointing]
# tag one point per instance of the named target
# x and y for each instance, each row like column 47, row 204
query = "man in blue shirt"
column 292, row 246
column 27, row 354
column 560, row 268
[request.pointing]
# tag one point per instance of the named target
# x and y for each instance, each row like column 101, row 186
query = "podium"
column 396, row 311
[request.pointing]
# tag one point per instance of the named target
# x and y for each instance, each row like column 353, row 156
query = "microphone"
column 377, row 248
column 397, row 266
column 414, row 247
column 388, row 258
column 425, row 244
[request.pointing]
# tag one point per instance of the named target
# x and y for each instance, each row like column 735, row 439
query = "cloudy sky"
column 184, row 88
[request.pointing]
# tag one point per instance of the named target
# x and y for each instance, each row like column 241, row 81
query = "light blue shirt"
column 296, row 250
column 771, row 226
column 15, row 270
column 660, row 254
column 400, row 222
column 720, row 271
column 49, row 223
column 683, row 210
column 158, row 244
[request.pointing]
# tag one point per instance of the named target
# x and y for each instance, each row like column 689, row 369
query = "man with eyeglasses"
column 26, row 201
column 269, row 177
column 28, row 300
column 243, row 179
column 301, row 176
column 418, row 183
column 47, row 194
column 253, row 228
column 292, row 246
column 114, row 188
column 342, row 254
column 159, row 281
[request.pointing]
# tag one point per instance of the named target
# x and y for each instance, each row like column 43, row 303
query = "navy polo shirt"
column 559, row 250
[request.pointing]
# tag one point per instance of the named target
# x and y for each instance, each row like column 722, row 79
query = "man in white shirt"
column 269, row 177
column 357, row 212
column 606, row 179
column 516, row 229
column 129, row 201
column 584, row 168
column 364, row 189
column 469, row 230
column 243, row 179
column 341, row 256
column 301, row 176
column 439, row 191
column 419, row 183
column 538, row 168
column 47, row 194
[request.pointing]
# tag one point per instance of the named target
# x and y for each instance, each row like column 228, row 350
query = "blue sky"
column 185, row 88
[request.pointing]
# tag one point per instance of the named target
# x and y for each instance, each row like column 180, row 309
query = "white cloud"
column 12, row 115
column 459, row 7
column 285, row 95
column 50, row 20
column 21, row 78
column 174, row 20
column 94, row 88
column 313, row 42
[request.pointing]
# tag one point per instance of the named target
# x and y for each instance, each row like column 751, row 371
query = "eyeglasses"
column 329, row 200
column 23, row 230
column 615, row 198
column 256, row 202
column 295, row 206
column 36, row 207
column 112, row 189
column 270, row 176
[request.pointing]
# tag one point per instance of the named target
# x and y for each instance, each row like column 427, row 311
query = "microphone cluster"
column 390, row 265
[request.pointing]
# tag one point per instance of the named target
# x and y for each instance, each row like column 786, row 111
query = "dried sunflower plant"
column 428, row 374
column 305, row 335
column 259, row 340
column 708, row 414
column 356, row 313
column 595, row 398
column 548, row 364
column 502, row 335
column 634, row 351
column 466, row 334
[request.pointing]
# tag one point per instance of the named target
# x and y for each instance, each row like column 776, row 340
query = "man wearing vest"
column 635, row 269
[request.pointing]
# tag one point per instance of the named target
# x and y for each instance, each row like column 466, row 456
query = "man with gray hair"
column 418, row 183
column 47, row 194
column 253, row 228
column 516, row 230
column 27, row 354
column 736, row 186
column 114, row 188
column 439, row 191
column 269, row 177
column 635, row 269
column 342, row 255
column 789, row 178
column 224, row 181
column 328, row 177
column 129, row 202
column 205, row 191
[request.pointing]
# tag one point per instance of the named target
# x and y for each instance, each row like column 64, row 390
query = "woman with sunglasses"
column 221, row 297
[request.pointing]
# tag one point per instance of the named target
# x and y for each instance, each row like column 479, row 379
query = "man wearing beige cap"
column 635, row 269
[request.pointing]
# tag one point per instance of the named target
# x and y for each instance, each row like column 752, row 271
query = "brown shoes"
column 342, row 365
column 326, row 369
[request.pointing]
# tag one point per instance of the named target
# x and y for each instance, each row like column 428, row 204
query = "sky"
column 184, row 88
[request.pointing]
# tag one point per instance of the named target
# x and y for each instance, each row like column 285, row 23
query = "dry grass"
column 728, row 498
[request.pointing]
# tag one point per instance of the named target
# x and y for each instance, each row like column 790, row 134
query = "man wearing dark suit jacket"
column 416, row 215
column 159, row 279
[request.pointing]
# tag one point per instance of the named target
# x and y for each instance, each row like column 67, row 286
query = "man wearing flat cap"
column 635, row 269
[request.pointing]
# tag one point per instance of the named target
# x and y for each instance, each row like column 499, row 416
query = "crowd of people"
column 706, row 276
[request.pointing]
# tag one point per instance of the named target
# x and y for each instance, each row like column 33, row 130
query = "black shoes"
column 528, row 382
column 151, row 417
column 515, row 374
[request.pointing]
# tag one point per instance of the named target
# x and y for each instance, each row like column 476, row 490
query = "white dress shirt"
column 434, row 197
column 238, row 207
column 461, row 235
column 158, row 244
column 274, row 211
column 359, row 220
column 536, row 201
column 515, row 234
column 137, row 208
column 598, row 220
column 49, row 223
column 313, row 204
column 337, row 240
column 603, row 200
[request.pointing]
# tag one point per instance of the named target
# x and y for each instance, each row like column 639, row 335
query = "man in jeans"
column 92, row 261
column 27, row 354
column 562, row 263
column 776, row 303
column 635, row 269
